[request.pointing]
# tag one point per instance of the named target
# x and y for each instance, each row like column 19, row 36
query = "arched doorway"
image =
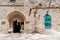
column 20, row 18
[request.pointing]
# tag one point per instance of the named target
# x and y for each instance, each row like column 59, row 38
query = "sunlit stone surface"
column 10, row 10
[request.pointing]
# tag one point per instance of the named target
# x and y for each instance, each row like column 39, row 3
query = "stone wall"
column 55, row 17
column 30, row 20
column 8, row 2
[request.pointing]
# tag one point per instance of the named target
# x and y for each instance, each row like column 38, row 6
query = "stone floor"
column 31, row 36
column 25, row 36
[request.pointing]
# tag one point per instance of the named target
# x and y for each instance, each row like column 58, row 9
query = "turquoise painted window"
column 47, row 21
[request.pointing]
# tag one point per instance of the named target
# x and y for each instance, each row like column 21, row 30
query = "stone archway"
column 16, row 16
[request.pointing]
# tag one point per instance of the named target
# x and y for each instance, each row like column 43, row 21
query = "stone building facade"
column 9, row 11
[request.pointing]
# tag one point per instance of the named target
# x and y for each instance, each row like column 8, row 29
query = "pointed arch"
column 16, row 15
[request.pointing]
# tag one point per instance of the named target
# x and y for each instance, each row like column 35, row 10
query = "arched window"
column 47, row 21
column 12, row 0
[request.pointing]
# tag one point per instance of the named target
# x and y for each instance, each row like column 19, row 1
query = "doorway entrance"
column 16, row 26
column 16, row 22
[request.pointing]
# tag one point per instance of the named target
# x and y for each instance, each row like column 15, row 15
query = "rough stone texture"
column 30, row 27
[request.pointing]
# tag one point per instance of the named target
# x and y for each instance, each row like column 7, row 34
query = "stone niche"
column 27, row 22
column 3, row 23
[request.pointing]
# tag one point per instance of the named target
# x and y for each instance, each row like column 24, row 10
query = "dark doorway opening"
column 16, row 27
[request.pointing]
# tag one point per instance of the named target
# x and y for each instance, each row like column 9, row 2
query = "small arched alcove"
column 16, row 16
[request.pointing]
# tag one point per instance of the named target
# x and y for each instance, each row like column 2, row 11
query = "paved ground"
column 51, row 35
column 24, row 36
